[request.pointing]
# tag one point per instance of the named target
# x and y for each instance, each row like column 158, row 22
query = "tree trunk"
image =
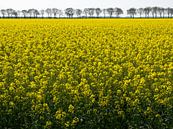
column 160, row 15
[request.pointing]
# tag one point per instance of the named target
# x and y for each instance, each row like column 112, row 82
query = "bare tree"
column 55, row 12
column 30, row 12
column 60, row 13
column 86, row 12
column 9, row 12
column 169, row 12
column 161, row 11
column 91, row 12
column 33, row 13
column 42, row 12
column 3, row 12
column 104, row 12
column 18, row 13
column 78, row 12
column 49, row 12
column 118, row 11
column 147, row 11
column 36, row 13
column 24, row 12
column 110, row 11
column 131, row 12
column 15, row 14
column 154, row 11
column 140, row 11
column 69, row 12
column 98, row 11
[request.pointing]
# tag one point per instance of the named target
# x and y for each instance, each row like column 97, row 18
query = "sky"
column 62, row 4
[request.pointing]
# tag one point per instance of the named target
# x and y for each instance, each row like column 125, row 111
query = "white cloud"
column 25, row 4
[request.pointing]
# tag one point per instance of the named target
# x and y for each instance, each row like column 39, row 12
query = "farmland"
column 86, row 73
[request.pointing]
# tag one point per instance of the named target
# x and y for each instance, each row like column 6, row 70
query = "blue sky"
column 62, row 4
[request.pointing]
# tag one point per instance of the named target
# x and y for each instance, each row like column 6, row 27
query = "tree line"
column 88, row 12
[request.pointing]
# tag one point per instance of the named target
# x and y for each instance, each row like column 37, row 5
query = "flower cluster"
column 93, row 73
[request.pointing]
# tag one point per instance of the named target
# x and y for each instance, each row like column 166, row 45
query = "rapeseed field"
column 86, row 73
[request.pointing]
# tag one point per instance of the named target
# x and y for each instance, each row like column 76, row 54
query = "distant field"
column 86, row 74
